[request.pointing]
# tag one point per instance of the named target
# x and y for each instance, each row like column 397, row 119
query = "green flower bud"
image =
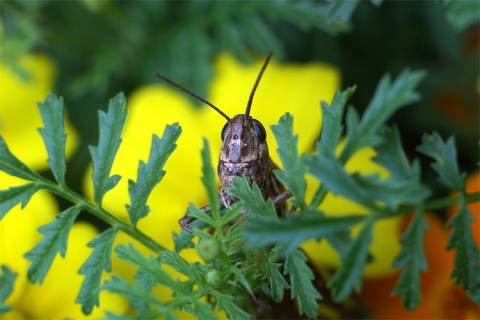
column 208, row 249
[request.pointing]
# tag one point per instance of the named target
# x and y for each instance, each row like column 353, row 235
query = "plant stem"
column 433, row 204
column 100, row 213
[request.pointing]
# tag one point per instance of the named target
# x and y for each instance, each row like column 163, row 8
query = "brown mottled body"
column 244, row 152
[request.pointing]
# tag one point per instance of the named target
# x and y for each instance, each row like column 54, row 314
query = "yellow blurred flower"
column 19, row 120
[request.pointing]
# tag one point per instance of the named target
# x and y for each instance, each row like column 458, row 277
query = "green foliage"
column 146, row 265
column 466, row 265
column 278, row 284
column 111, row 125
column 99, row 260
column 354, row 257
column 208, row 179
column 14, row 167
column 7, row 280
column 462, row 14
column 412, row 259
column 301, row 277
column 54, row 240
column 294, row 230
column 137, row 292
column 294, row 166
column 150, row 174
column 250, row 254
column 54, row 135
column 15, row 195
column 252, row 197
column 445, row 156
column 388, row 98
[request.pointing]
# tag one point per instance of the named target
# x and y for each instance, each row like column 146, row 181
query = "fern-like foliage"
column 111, row 125
column 99, row 260
column 467, row 258
column 7, row 280
column 55, row 234
column 251, row 256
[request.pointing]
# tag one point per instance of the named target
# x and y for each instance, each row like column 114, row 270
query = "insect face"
column 242, row 139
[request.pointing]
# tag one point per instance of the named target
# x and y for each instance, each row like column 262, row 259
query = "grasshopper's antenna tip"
column 250, row 99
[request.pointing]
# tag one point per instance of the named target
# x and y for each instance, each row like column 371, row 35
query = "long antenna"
column 176, row 85
column 250, row 100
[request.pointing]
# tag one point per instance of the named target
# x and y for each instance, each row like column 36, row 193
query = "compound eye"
column 259, row 131
column 225, row 130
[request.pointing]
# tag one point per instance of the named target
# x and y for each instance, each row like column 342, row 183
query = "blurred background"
column 97, row 49
column 104, row 47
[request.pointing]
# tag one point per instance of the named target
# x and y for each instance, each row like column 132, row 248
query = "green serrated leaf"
column 99, row 260
column 150, row 174
column 332, row 127
column 391, row 156
column 231, row 214
column 293, row 230
column 376, row 3
column 184, row 239
column 388, row 98
column 240, row 278
column 467, row 257
column 150, row 265
column 15, row 195
column 445, row 156
column 7, row 280
column 227, row 303
column 303, row 290
column 148, row 283
column 178, row 263
column 331, row 172
column 208, row 180
column 111, row 126
column 463, row 14
column 294, row 168
column 234, row 235
column 197, row 213
column 332, row 130
column 391, row 192
column 203, row 310
column 14, row 167
column 54, row 240
column 54, row 135
column 412, row 259
column 277, row 283
column 251, row 198
column 133, row 292
column 354, row 257
column 151, row 314
column 332, row 17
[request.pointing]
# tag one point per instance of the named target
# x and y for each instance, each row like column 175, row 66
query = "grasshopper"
column 244, row 152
